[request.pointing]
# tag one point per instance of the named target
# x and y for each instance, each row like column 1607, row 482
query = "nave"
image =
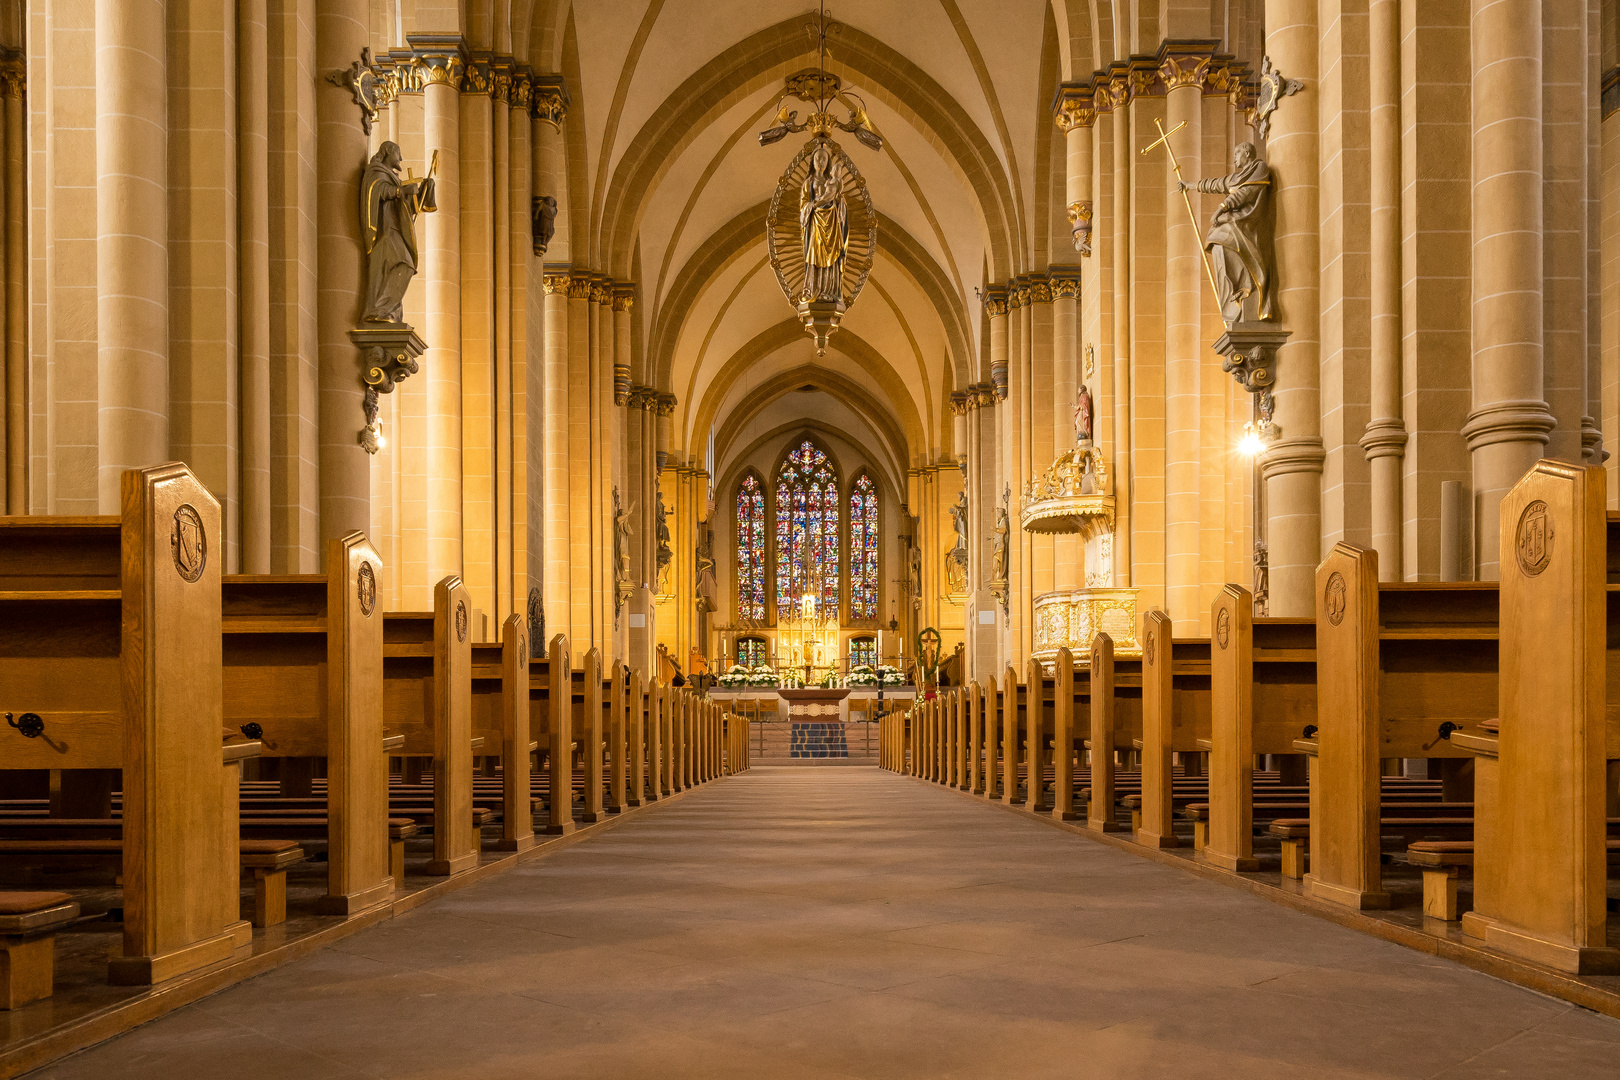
column 792, row 922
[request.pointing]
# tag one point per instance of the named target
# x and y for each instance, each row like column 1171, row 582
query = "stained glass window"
column 750, row 549
column 863, row 549
column 863, row 650
column 807, row 532
column 751, row 650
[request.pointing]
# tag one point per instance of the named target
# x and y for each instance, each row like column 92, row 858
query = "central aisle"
column 800, row 922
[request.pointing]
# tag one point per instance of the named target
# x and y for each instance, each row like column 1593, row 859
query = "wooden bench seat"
column 1441, row 861
column 28, row 925
column 268, row 859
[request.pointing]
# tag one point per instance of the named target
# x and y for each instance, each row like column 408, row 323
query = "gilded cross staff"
column 1164, row 138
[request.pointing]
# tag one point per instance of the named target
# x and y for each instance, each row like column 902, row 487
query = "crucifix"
column 1164, row 140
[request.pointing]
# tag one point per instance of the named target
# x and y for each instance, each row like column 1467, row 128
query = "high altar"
column 807, row 643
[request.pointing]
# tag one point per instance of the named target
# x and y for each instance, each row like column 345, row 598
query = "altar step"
column 816, row 743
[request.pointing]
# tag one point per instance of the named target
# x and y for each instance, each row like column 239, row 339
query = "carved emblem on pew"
column 366, row 588
column 1334, row 598
column 189, row 542
column 1533, row 541
column 461, row 620
column 1223, row 627
column 1147, row 648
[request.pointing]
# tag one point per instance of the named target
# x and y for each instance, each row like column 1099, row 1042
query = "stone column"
column 443, row 66
column 578, row 455
column 340, row 34
column 1120, row 120
column 132, row 254
column 1041, row 438
column 14, row 74
column 548, row 110
column 1292, row 465
column 1076, row 114
column 478, row 397
column 1184, row 286
column 1001, row 436
column 1067, row 552
column 253, row 276
column 1510, row 421
column 506, row 364
column 526, row 302
column 622, row 419
column 556, row 527
column 1385, row 438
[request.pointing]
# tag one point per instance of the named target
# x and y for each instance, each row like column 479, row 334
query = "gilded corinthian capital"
column 1074, row 106
column 440, row 60
column 549, row 99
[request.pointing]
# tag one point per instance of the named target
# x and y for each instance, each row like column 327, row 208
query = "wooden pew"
column 1253, row 710
column 1175, row 716
column 1036, row 696
column 500, row 716
column 1012, row 737
column 551, row 709
column 1399, row 667
column 427, row 697
column 110, row 651
column 1540, row 851
column 303, row 660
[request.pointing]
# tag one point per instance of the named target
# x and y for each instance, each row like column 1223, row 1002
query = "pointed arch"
column 752, row 546
column 806, row 526
column 864, row 574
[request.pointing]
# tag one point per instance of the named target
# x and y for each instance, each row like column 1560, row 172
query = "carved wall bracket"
column 1249, row 354
column 360, row 79
column 388, row 355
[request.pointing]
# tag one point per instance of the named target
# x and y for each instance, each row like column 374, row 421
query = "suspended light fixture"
column 822, row 230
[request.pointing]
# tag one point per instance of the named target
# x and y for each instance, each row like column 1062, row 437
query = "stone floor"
column 851, row 923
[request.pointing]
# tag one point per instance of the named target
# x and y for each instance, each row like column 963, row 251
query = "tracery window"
column 750, row 651
column 863, row 650
column 807, row 531
column 863, row 549
column 750, row 548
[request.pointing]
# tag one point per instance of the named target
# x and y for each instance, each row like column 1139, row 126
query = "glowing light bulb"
column 1251, row 444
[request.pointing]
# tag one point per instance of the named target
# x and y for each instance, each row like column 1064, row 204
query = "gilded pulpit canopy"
column 1240, row 238
column 388, row 209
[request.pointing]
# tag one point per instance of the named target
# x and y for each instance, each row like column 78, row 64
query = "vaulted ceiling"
column 668, row 187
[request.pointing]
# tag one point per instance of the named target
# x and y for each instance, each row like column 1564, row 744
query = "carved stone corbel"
column 388, row 355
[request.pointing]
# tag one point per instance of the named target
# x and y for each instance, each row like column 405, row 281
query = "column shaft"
column 132, row 255
column 1292, row 466
column 253, row 279
column 1385, row 438
column 1509, row 424
column 441, row 122
column 345, row 467
column 1184, row 283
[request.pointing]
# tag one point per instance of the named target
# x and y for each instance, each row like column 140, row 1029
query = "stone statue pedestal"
column 1249, row 354
column 388, row 354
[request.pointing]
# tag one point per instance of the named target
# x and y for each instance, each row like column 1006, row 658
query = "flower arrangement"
column 867, row 675
column 741, row 677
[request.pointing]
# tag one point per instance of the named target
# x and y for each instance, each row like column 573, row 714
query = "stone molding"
column 1385, row 438
column 959, row 401
column 1293, row 456
column 624, row 295
column 1521, row 420
column 1179, row 62
column 580, row 284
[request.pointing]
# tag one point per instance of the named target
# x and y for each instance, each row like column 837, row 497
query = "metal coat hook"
column 30, row 724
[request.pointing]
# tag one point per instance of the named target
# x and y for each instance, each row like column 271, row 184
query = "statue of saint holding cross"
column 1241, row 233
